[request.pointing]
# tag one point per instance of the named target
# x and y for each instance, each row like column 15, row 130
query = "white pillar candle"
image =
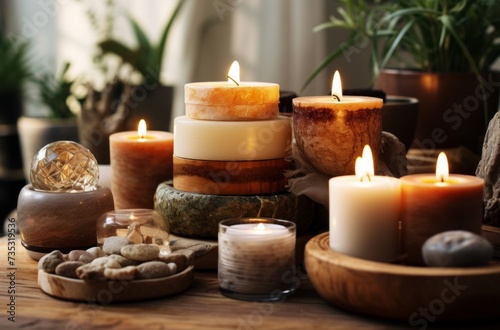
column 256, row 258
column 364, row 214
column 231, row 141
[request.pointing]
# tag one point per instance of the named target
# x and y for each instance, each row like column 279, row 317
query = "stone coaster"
column 198, row 215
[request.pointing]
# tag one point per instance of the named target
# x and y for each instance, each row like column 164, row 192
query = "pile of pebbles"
column 118, row 259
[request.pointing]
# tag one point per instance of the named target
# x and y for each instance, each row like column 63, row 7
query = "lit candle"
column 364, row 212
column 256, row 258
column 434, row 203
column 331, row 130
column 139, row 162
column 231, row 99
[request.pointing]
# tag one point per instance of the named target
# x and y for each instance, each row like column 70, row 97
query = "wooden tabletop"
column 199, row 307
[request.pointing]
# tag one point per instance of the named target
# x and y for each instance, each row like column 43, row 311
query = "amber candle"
column 232, row 99
column 331, row 131
column 139, row 162
column 432, row 204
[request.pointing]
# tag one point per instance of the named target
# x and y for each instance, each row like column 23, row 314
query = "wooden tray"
column 402, row 292
column 114, row 291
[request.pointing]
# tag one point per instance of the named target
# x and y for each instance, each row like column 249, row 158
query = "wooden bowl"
column 107, row 292
column 413, row 294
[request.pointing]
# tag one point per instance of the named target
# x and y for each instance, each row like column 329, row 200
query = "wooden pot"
column 451, row 111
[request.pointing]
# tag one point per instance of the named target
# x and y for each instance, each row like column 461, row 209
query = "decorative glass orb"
column 64, row 166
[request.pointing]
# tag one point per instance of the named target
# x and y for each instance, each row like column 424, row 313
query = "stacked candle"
column 231, row 140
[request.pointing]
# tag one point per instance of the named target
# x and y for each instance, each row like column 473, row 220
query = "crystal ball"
column 64, row 166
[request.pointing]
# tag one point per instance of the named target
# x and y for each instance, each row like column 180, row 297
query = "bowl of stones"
column 415, row 294
column 119, row 271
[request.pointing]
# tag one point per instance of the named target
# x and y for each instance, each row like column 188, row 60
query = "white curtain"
column 272, row 39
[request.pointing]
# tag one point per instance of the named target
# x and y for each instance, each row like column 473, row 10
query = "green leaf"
column 115, row 47
column 332, row 56
column 159, row 49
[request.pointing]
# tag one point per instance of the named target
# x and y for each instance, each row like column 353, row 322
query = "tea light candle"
column 331, row 131
column 231, row 100
column 139, row 162
column 434, row 203
column 256, row 257
column 364, row 213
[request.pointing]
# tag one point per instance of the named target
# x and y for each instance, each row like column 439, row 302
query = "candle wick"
column 335, row 96
column 442, row 178
column 367, row 176
column 228, row 77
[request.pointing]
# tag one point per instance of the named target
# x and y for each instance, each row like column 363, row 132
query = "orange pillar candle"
column 139, row 162
column 231, row 100
column 432, row 204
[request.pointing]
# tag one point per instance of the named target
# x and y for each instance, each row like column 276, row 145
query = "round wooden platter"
column 412, row 294
column 107, row 292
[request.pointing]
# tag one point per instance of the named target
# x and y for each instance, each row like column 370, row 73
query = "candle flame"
column 141, row 129
column 364, row 167
column 337, row 86
column 442, row 168
column 233, row 74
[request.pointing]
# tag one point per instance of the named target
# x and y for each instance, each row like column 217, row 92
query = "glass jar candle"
column 256, row 258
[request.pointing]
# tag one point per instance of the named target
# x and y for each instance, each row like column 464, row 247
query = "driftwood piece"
column 104, row 113
column 489, row 170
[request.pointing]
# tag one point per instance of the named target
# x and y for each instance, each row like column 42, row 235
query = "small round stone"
column 114, row 244
column 68, row 268
column 155, row 269
column 140, row 252
column 64, row 166
column 49, row 262
column 457, row 248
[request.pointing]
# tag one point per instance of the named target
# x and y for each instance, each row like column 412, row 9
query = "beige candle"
column 140, row 161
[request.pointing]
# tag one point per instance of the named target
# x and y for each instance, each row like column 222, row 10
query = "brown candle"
column 140, row 161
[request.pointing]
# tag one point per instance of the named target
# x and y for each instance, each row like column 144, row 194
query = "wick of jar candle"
column 335, row 96
column 367, row 176
column 228, row 77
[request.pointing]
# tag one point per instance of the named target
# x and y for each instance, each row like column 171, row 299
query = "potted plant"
column 122, row 103
column 442, row 52
column 56, row 121
column 14, row 72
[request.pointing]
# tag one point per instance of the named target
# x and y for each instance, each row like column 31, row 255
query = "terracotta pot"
column 399, row 117
column 451, row 105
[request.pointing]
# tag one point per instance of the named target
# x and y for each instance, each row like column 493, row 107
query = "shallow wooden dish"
column 412, row 294
column 114, row 291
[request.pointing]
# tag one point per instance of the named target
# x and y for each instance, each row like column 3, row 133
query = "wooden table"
column 200, row 307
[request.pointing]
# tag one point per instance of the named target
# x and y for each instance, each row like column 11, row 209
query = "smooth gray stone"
column 489, row 170
column 457, row 248
column 198, row 215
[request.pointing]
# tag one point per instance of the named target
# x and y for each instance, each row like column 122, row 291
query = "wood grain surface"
column 199, row 307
